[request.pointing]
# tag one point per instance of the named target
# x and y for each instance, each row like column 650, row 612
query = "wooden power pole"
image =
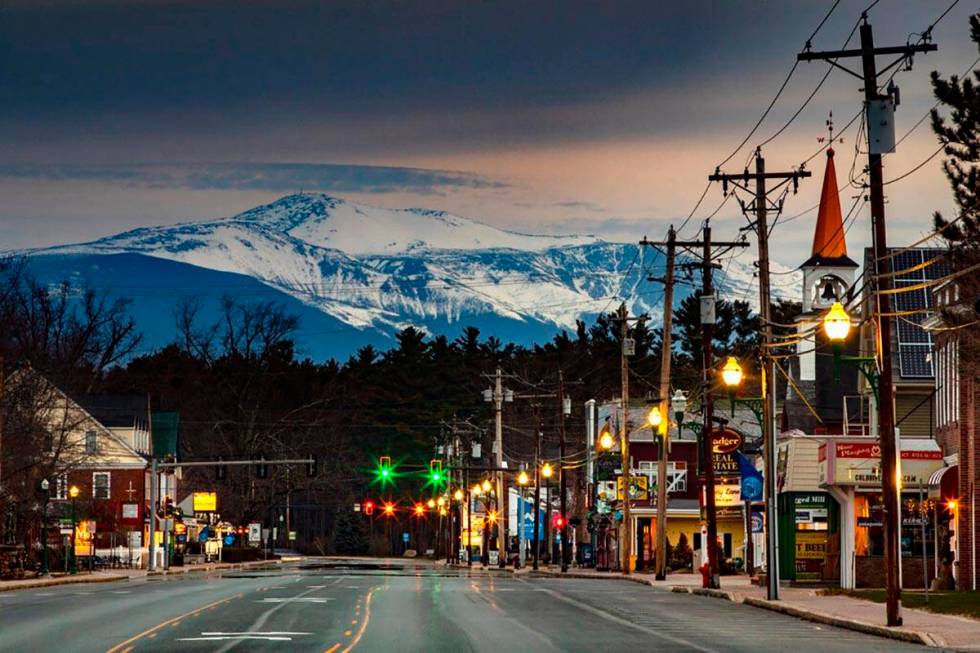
column 881, row 306
column 626, row 546
column 761, row 205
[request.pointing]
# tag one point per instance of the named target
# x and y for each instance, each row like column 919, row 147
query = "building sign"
column 858, row 464
column 811, row 554
column 639, row 488
column 255, row 533
column 726, row 441
column 130, row 511
column 606, row 466
column 84, row 537
column 205, row 501
column 725, row 444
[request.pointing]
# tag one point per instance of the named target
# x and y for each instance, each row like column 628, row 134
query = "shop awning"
column 945, row 483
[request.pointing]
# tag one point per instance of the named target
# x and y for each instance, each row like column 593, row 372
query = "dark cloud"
column 273, row 177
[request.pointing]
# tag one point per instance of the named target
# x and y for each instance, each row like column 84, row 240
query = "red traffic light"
column 559, row 521
column 369, row 507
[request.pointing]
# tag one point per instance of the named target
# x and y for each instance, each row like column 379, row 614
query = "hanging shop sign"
column 639, row 488
column 726, row 443
column 205, row 501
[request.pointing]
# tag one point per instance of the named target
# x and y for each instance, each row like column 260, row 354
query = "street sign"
column 405, row 537
column 757, row 525
column 292, row 535
column 229, row 539
column 205, row 501
column 254, row 533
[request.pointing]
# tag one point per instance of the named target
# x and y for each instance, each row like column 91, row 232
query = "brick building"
column 955, row 485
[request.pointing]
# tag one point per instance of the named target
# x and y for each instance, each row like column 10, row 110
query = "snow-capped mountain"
column 372, row 271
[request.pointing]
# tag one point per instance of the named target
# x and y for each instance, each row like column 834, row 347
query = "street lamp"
column 731, row 374
column 522, row 478
column 487, row 485
column 73, row 565
column 678, row 406
column 547, row 470
column 477, row 490
column 606, row 441
column 45, row 487
column 654, row 418
column 458, row 495
column 441, row 501
column 431, row 503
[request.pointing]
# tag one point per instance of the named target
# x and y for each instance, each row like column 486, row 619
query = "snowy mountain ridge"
column 377, row 269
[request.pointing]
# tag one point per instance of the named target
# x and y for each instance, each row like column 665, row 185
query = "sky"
column 552, row 117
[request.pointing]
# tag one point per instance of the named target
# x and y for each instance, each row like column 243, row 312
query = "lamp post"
column 836, row 326
column 45, row 487
column 678, row 405
column 73, row 560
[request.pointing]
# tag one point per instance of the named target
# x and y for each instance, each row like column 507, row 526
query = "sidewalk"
column 112, row 575
column 920, row 627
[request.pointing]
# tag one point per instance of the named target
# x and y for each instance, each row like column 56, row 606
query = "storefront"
column 808, row 537
column 851, row 473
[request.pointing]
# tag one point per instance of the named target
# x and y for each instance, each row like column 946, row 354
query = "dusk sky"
column 601, row 117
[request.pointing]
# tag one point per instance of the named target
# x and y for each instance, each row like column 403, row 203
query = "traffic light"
column 261, row 469
column 311, row 467
column 559, row 520
column 369, row 508
column 419, row 510
column 168, row 507
column 385, row 474
column 436, row 475
column 389, row 509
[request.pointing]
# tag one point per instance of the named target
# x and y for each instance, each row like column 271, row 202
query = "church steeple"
column 828, row 237
column 829, row 273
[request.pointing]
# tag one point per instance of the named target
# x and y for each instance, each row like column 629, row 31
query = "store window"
column 917, row 537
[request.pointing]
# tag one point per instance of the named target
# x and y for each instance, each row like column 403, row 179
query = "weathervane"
column 830, row 130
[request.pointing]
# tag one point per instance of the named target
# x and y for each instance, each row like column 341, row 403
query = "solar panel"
column 914, row 342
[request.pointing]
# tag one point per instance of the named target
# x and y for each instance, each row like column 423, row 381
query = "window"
column 60, row 487
column 100, row 485
column 676, row 474
column 91, row 442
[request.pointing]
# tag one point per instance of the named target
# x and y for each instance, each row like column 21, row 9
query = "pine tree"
column 349, row 536
column 959, row 133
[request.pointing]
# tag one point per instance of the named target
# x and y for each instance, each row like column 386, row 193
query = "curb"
column 67, row 580
column 911, row 636
column 715, row 594
column 224, row 567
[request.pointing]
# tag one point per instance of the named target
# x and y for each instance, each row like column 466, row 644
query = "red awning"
column 945, row 482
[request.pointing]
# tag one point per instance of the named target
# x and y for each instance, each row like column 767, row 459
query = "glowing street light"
column 522, row 478
column 654, row 418
column 73, row 493
column 487, row 485
column 547, row 470
column 431, row 503
column 606, row 440
column 836, row 324
column 731, row 374
column 458, row 495
column 477, row 490
column 441, row 501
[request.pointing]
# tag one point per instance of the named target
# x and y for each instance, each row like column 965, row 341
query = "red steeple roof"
column 828, row 238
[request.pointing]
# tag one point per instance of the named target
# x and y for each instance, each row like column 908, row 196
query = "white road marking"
column 44, row 594
column 120, row 591
column 315, row 587
column 295, row 599
column 218, row 638
column 252, row 632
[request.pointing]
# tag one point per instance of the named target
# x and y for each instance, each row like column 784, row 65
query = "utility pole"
column 562, row 481
column 537, row 496
column 624, row 439
column 760, row 206
column 707, row 432
column 498, row 441
column 881, row 307
column 665, row 355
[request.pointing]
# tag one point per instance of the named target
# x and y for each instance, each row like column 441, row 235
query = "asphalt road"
column 317, row 606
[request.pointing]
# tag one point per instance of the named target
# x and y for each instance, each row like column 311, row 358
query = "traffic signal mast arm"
column 212, row 463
